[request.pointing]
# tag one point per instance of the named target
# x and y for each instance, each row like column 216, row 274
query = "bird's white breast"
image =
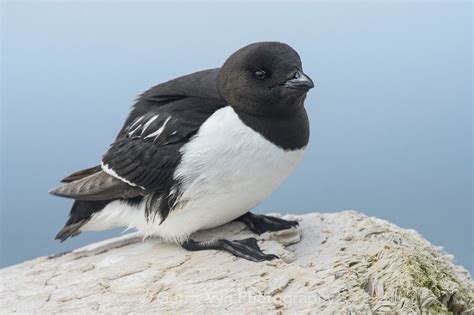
column 226, row 170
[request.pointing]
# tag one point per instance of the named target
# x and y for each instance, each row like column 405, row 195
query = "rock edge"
column 334, row 262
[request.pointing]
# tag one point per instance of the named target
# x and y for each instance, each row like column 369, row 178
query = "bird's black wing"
column 146, row 151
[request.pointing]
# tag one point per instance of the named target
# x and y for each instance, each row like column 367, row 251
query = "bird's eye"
column 260, row 74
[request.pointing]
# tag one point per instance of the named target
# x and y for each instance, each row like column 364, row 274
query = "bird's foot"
column 259, row 223
column 246, row 248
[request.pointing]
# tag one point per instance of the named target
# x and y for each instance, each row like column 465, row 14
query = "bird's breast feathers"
column 229, row 167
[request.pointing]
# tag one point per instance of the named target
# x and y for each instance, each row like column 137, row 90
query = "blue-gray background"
column 390, row 114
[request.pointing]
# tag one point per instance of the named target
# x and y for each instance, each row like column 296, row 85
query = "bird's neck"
column 289, row 132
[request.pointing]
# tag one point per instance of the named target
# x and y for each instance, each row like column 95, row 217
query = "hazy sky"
column 391, row 121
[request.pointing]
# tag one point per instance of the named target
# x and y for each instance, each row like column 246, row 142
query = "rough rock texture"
column 334, row 262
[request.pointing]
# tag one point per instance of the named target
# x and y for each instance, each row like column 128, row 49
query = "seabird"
column 199, row 151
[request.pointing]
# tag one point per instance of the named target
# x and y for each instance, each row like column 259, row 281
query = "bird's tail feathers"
column 70, row 230
column 81, row 212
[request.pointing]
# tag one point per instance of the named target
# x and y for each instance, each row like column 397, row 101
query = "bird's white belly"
column 226, row 170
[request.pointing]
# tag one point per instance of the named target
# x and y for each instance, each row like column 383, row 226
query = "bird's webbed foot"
column 246, row 248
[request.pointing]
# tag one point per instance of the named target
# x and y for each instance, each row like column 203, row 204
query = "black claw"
column 273, row 257
column 261, row 223
column 247, row 248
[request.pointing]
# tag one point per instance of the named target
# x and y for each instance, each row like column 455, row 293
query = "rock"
column 344, row 262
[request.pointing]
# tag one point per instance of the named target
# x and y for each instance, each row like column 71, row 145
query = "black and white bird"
column 199, row 151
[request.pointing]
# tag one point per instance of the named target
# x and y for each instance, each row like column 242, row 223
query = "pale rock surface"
column 341, row 262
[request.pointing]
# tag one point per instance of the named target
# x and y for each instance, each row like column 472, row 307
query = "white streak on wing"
column 133, row 131
column 159, row 131
column 112, row 173
column 148, row 123
column 135, row 122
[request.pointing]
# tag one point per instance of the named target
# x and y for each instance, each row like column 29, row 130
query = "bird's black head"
column 264, row 79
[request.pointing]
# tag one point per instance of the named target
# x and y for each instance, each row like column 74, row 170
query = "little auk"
column 200, row 151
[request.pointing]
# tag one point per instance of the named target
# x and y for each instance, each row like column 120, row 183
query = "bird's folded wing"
column 148, row 153
column 147, row 149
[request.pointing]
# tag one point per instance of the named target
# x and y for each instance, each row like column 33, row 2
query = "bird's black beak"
column 300, row 82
